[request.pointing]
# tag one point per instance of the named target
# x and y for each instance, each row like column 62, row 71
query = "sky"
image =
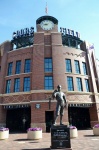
column 79, row 15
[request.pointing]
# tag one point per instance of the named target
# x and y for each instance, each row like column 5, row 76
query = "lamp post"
column 49, row 102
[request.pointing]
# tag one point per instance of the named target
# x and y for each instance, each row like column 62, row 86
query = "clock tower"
column 47, row 24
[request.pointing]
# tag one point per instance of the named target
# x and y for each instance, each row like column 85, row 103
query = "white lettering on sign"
column 70, row 32
column 23, row 32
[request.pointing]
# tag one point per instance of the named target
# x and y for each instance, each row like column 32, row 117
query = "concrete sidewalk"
column 85, row 141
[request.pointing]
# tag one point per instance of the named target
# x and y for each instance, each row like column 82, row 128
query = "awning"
column 81, row 105
column 16, row 106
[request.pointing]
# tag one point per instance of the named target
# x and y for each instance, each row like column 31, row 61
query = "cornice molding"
column 49, row 92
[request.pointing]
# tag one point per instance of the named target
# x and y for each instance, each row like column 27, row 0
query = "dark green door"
column 49, row 118
column 18, row 120
column 79, row 117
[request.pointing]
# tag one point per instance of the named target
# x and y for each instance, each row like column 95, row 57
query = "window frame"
column 68, row 65
column 48, row 62
column 79, row 84
column 84, row 68
column 26, row 86
column 47, row 84
column 87, row 85
column 77, row 67
column 17, row 85
column 18, row 67
column 27, row 66
column 10, row 66
column 8, row 86
column 70, row 82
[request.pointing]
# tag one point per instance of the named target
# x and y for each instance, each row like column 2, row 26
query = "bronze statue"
column 61, row 103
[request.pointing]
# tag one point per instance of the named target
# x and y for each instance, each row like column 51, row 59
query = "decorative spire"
column 46, row 9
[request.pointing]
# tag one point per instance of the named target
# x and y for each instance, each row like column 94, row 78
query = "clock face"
column 47, row 25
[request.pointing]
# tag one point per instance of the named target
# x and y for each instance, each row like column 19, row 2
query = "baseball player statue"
column 61, row 103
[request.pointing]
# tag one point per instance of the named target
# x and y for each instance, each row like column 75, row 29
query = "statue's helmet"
column 59, row 86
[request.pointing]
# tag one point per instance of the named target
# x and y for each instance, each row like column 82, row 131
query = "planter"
column 73, row 133
column 95, row 131
column 35, row 135
column 4, row 135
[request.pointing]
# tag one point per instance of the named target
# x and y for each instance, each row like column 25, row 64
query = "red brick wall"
column 47, row 51
column 94, row 114
column 38, row 62
column 17, row 98
column 2, row 115
column 38, row 115
column 14, row 56
column 56, row 39
column 58, row 67
column 46, row 44
column 3, row 72
column 47, row 39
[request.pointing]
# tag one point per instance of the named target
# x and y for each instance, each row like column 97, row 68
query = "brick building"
column 32, row 64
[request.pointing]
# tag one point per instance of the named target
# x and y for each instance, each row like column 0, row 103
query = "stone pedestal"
column 60, row 137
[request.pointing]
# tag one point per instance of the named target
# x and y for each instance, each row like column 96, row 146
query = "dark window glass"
column 8, row 86
column 84, row 68
column 70, row 84
column 26, row 84
column 27, row 65
column 68, row 65
column 48, row 64
column 48, row 82
column 77, row 67
column 87, row 85
column 79, row 84
column 10, row 69
column 18, row 67
column 17, row 85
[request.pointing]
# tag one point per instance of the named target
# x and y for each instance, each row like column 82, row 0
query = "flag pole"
column 46, row 9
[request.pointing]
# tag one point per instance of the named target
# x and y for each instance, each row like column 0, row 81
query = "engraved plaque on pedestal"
column 60, row 137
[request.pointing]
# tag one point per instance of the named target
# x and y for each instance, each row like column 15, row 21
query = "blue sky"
column 79, row 15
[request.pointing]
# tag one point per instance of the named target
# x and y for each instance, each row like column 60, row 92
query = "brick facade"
column 47, row 44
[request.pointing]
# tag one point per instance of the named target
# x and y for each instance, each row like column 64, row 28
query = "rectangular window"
column 26, row 84
column 18, row 67
column 48, row 82
column 84, row 68
column 8, row 86
column 70, row 84
column 87, row 85
column 77, row 67
column 68, row 65
column 10, row 69
column 17, row 85
column 48, row 64
column 27, row 65
column 79, row 84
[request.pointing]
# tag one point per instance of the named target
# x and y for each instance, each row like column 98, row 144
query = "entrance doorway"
column 49, row 118
column 79, row 117
column 18, row 120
